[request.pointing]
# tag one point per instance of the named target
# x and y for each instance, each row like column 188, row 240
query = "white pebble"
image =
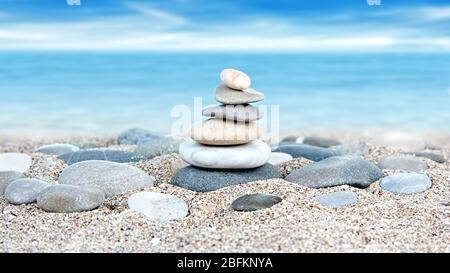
column 235, row 79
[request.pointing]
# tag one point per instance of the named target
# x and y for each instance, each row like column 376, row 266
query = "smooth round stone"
column 113, row 178
column 220, row 132
column 406, row 183
column 307, row 151
column 404, row 163
column 252, row 202
column 359, row 148
column 107, row 155
column 246, row 156
column 57, row 149
column 320, row 141
column 277, row 158
column 240, row 112
column 336, row 171
column 291, row 140
column 68, row 198
column 337, row 199
column 7, row 177
column 158, row 147
column 235, row 79
column 15, row 162
column 158, row 206
column 227, row 95
column 24, row 191
column 137, row 136
column 203, row 180
column 439, row 158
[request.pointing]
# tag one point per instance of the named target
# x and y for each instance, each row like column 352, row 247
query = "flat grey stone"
column 68, row 198
column 57, row 149
column 337, row 199
column 240, row 112
column 336, row 171
column 406, row 183
column 290, row 140
column 158, row 147
column 107, row 155
column 359, row 148
column 24, row 190
column 257, row 201
column 7, row 177
column 227, row 95
column 320, row 141
column 203, row 180
column 158, row 206
column 137, row 136
column 404, row 163
column 113, row 178
column 307, row 151
column 439, row 158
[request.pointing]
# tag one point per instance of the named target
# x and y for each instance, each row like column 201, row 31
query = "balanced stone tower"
column 224, row 149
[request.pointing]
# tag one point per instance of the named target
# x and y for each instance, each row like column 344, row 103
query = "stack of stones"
column 228, row 139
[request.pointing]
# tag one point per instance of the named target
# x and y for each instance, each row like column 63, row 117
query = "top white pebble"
column 235, row 79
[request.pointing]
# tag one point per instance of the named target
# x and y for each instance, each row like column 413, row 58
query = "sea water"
column 110, row 92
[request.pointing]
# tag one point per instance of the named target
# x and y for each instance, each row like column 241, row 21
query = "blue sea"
column 110, row 92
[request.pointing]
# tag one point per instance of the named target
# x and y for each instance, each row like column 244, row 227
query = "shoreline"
column 380, row 221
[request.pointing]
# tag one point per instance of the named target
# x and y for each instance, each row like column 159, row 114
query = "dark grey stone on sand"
column 337, row 199
column 107, row 155
column 137, row 136
column 288, row 140
column 336, row 171
column 158, row 147
column 359, row 148
column 24, row 190
column 257, row 201
column 307, row 151
column 320, row 141
column 68, row 198
column 437, row 157
column 203, row 180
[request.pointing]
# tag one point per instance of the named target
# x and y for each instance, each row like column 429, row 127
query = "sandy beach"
column 380, row 221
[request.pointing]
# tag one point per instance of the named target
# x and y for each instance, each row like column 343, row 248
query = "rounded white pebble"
column 235, row 79
column 278, row 158
column 158, row 206
column 246, row 156
column 15, row 162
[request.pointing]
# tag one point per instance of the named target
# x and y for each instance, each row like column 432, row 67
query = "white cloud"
column 419, row 14
column 435, row 13
column 153, row 29
column 156, row 13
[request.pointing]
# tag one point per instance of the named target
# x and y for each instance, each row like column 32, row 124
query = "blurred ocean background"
column 110, row 92
column 106, row 66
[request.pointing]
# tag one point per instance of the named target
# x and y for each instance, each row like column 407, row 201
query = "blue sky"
column 209, row 25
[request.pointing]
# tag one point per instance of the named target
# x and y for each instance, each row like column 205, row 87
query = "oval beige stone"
column 224, row 132
column 235, row 79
